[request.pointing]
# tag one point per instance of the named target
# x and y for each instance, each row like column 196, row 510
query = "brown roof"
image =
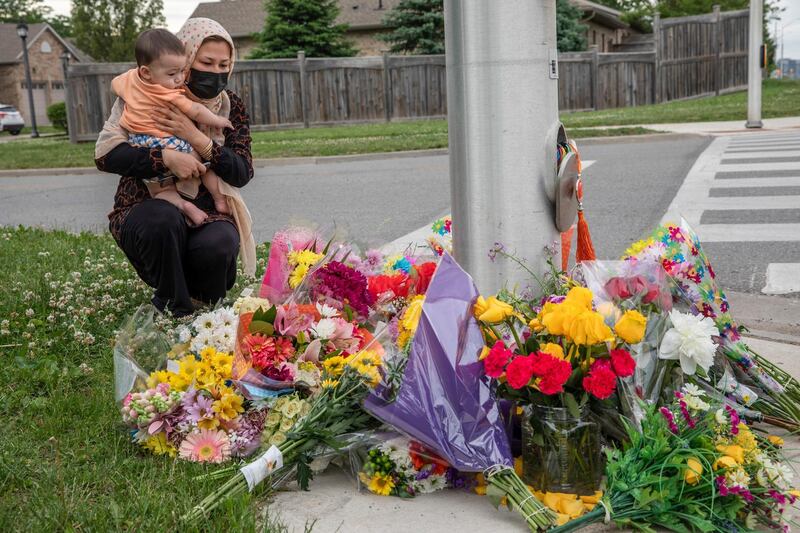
column 11, row 47
column 245, row 17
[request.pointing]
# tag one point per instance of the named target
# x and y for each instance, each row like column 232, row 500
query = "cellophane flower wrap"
column 695, row 466
column 621, row 286
column 443, row 399
column 756, row 382
column 388, row 463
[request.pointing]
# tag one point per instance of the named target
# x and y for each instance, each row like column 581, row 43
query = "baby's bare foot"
column 195, row 214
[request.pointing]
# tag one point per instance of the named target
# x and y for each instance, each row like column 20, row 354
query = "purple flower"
column 247, row 437
column 667, row 414
column 200, row 409
column 734, row 419
column 777, row 496
column 685, row 413
column 423, row 474
column 721, row 486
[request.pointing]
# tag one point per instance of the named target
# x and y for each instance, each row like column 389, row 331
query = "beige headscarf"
column 192, row 34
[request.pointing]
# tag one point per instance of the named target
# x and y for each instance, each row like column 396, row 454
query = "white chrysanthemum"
column 696, row 404
column 430, row 484
column 738, row 477
column 226, row 317
column 184, row 334
column 438, row 482
column 201, row 340
column 774, row 474
column 690, row 342
column 327, row 311
column 721, row 417
column 324, row 329
column 204, row 322
column 693, row 390
column 225, row 338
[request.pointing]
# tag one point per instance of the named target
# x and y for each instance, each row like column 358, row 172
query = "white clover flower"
column 324, row 329
column 690, row 342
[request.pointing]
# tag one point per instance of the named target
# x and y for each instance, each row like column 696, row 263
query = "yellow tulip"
column 631, row 326
column 494, row 311
column 737, row 452
column 553, row 349
column 775, row 441
column 726, row 461
column 693, row 471
column 580, row 297
column 589, row 328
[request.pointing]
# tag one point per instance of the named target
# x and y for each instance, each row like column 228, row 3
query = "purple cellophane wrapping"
column 445, row 401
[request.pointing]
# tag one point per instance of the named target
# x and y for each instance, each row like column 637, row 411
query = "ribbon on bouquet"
column 255, row 472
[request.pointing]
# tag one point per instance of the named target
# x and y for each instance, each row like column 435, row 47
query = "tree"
column 62, row 24
column 417, row 27
column 107, row 29
column 308, row 25
column 29, row 11
column 570, row 32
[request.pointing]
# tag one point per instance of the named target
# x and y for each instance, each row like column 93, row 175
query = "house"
column 604, row 26
column 45, row 48
column 243, row 18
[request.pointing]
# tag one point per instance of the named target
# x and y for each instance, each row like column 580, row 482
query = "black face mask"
column 206, row 85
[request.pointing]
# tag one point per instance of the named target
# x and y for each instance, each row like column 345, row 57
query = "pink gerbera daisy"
column 207, row 446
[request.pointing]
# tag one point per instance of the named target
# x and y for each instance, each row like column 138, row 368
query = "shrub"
column 57, row 114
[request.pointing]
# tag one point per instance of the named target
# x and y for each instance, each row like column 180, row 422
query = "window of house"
column 45, row 48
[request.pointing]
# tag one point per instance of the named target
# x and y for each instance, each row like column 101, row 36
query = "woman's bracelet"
column 206, row 152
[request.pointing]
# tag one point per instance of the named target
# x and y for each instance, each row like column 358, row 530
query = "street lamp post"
column 754, row 65
column 22, row 31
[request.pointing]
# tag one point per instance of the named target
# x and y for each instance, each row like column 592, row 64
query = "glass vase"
column 560, row 452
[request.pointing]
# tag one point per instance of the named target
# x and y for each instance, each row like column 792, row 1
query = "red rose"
column 601, row 380
column 652, row 294
column 424, row 274
column 519, row 372
column 665, row 300
column 496, row 360
column 637, row 285
column 617, row 288
column 622, row 363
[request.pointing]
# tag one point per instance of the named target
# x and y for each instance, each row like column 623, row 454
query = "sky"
column 177, row 11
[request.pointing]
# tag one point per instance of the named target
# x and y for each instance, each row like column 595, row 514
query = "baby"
column 157, row 81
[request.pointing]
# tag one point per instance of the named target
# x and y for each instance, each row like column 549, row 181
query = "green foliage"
column 57, row 115
column 62, row 24
column 308, row 25
column 29, row 11
column 418, row 27
column 107, row 29
column 570, row 32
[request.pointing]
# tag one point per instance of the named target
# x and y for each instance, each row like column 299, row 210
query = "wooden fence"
column 693, row 56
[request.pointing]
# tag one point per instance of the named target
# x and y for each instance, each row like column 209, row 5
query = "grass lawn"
column 66, row 461
column 780, row 98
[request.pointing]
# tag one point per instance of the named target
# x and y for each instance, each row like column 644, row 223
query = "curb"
column 257, row 163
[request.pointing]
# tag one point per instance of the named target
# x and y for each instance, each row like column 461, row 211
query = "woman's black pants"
column 178, row 261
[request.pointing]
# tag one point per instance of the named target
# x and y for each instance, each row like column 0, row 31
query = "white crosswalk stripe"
column 746, row 190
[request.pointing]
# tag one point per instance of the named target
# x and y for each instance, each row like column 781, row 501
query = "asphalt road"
column 628, row 189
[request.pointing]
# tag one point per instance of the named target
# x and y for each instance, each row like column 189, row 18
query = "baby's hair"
column 152, row 44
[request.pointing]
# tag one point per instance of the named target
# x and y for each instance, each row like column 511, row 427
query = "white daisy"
column 201, row 340
column 204, row 322
column 738, row 477
column 324, row 329
column 326, row 311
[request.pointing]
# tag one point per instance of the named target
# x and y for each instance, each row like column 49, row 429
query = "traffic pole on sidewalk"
column 502, row 99
column 754, row 59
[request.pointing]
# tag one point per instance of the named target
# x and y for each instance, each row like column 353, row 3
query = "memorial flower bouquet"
column 695, row 466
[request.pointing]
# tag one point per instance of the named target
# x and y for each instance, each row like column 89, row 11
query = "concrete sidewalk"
column 728, row 127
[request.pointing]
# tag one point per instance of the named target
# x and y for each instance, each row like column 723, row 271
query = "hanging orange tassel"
column 585, row 248
column 566, row 245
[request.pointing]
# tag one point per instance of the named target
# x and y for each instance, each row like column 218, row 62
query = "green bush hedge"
column 57, row 114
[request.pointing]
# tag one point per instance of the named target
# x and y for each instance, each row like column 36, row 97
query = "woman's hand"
column 171, row 120
column 184, row 166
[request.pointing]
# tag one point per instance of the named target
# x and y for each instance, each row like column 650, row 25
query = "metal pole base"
column 754, row 124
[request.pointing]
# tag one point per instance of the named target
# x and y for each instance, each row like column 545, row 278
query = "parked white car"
column 10, row 119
